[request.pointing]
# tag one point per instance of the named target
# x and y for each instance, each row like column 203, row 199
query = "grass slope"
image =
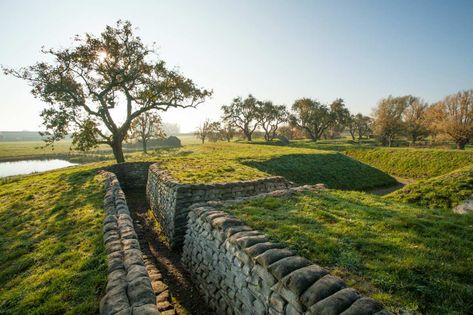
column 52, row 259
column 227, row 162
column 413, row 163
column 445, row 191
column 408, row 258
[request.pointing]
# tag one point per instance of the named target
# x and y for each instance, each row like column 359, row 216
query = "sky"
column 277, row 50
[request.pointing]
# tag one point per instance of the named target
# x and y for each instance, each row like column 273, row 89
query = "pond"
column 31, row 166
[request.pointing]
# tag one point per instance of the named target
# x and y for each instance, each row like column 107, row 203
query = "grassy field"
column 413, row 163
column 52, row 259
column 226, row 162
column 408, row 258
column 445, row 191
column 17, row 150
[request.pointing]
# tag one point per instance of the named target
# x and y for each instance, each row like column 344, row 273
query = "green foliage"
column 227, row 162
column 413, row 163
column 52, row 259
column 445, row 191
column 408, row 258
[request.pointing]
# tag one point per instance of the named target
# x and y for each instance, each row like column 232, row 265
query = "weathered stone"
column 364, row 306
column 299, row 280
column 146, row 309
column 259, row 248
column 336, row 303
column 140, row 292
column 284, row 266
column 272, row 255
column 326, row 286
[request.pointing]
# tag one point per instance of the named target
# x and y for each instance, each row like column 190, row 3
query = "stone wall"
column 131, row 175
column 170, row 200
column 240, row 271
column 129, row 289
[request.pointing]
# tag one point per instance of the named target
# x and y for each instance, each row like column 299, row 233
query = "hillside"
column 445, row 191
column 52, row 259
column 408, row 258
column 226, row 162
column 413, row 163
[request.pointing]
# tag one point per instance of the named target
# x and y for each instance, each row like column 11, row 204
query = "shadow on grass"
column 333, row 169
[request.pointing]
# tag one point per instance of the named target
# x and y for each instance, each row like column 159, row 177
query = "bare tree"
column 204, row 130
column 86, row 82
column 145, row 127
column 415, row 119
column 388, row 122
column 456, row 118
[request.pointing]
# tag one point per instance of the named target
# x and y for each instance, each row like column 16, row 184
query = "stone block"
column 284, row 266
column 319, row 290
column 336, row 303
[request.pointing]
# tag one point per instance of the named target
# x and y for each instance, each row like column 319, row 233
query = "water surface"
column 31, row 166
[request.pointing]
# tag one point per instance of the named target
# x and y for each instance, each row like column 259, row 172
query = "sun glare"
column 102, row 55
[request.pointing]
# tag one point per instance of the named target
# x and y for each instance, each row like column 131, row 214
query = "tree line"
column 394, row 118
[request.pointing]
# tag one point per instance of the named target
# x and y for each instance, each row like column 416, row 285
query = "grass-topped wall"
column 409, row 258
column 413, row 163
column 222, row 163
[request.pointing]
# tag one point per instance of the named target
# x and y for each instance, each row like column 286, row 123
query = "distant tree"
column 359, row 126
column 270, row 117
column 215, row 132
column 288, row 131
column 311, row 117
column 86, row 82
column 414, row 118
column 227, row 132
column 243, row 114
column 433, row 120
column 171, row 129
column 145, row 127
column 204, row 130
column 388, row 122
column 456, row 119
column 341, row 118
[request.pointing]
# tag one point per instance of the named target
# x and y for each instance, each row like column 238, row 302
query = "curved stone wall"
column 241, row 271
column 170, row 200
column 128, row 289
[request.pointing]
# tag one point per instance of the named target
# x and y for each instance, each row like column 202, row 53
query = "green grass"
column 408, row 258
column 413, row 163
column 228, row 162
column 52, row 259
column 445, row 191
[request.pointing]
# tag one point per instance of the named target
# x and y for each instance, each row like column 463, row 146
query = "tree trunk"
column 144, row 146
column 118, row 151
column 461, row 144
column 248, row 136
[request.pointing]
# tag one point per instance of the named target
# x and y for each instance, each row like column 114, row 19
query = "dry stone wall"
column 131, row 175
column 129, row 289
column 241, row 271
column 170, row 200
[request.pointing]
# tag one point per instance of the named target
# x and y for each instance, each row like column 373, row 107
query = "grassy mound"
column 52, row 259
column 445, row 191
column 408, row 258
column 413, row 163
column 227, row 162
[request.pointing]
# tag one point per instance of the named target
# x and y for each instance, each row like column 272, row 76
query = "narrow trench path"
column 176, row 294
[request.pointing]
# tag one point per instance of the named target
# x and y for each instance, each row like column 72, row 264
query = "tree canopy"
column 85, row 83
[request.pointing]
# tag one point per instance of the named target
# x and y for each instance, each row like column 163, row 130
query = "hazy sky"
column 360, row 51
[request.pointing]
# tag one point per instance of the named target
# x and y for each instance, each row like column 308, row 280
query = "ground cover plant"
column 408, row 258
column 227, row 162
column 52, row 259
column 411, row 162
column 445, row 191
